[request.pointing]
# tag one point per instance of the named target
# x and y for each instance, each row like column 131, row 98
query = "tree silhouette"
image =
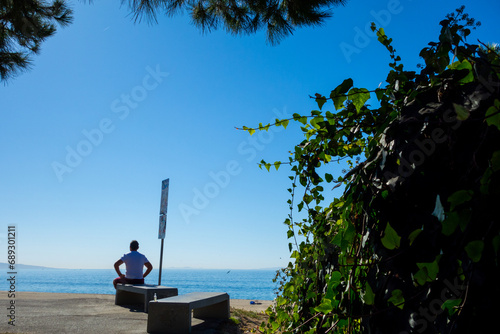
column 24, row 25
column 279, row 18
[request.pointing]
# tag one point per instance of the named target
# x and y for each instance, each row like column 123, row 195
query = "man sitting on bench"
column 134, row 264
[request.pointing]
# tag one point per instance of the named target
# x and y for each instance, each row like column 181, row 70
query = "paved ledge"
column 48, row 313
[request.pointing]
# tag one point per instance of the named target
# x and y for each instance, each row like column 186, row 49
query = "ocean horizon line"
column 4, row 265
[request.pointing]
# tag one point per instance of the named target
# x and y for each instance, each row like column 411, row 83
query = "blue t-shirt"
column 134, row 263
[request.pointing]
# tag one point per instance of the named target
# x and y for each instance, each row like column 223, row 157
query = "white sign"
column 163, row 209
column 163, row 227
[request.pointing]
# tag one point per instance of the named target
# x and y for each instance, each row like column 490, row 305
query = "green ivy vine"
column 412, row 244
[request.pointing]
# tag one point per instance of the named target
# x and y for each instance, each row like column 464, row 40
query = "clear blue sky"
column 111, row 108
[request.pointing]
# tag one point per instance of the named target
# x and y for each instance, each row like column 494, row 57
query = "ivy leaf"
column 474, row 250
column 250, row 130
column 338, row 94
column 464, row 65
column 420, row 277
column 337, row 240
column 281, row 301
column 369, row 296
column 449, row 225
column 328, row 177
column 336, row 277
column 464, row 218
column 496, row 244
column 493, row 115
column 275, row 326
column 495, row 161
column 320, row 100
column 427, row 271
column 462, row 113
column 397, row 298
column 485, row 181
column 264, row 127
column 325, row 307
column 413, row 235
column 314, row 122
column 300, row 118
column 459, row 197
column 325, row 157
column 381, row 35
column 451, row 305
column 308, row 198
column 380, row 93
column 331, row 292
column 391, row 239
column 350, row 233
column 282, row 122
column 359, row 96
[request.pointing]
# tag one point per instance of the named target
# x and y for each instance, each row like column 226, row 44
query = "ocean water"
column 239, row 284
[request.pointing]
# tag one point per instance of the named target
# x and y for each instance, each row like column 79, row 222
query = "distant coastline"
column 4, row 266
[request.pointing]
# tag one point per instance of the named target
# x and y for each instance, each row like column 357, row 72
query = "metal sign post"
column 163, row 220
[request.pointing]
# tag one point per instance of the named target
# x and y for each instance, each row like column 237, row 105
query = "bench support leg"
column 219, row 310
column 172, row 318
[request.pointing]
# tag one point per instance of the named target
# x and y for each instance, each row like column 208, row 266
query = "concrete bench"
column 129, row 294
column 173, row 315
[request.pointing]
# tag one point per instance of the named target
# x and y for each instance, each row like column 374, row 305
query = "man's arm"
column 117, row 268
column 149, row 267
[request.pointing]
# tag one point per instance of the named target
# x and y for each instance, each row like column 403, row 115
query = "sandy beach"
column 37, row 312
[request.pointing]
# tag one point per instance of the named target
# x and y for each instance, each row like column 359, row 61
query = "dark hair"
column 134, row 245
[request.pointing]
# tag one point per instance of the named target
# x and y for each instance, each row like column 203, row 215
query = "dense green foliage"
column 278, row 17
column 24, row 25
column 412, row 244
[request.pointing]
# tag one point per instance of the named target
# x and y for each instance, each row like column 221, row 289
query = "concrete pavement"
column 37, row 312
